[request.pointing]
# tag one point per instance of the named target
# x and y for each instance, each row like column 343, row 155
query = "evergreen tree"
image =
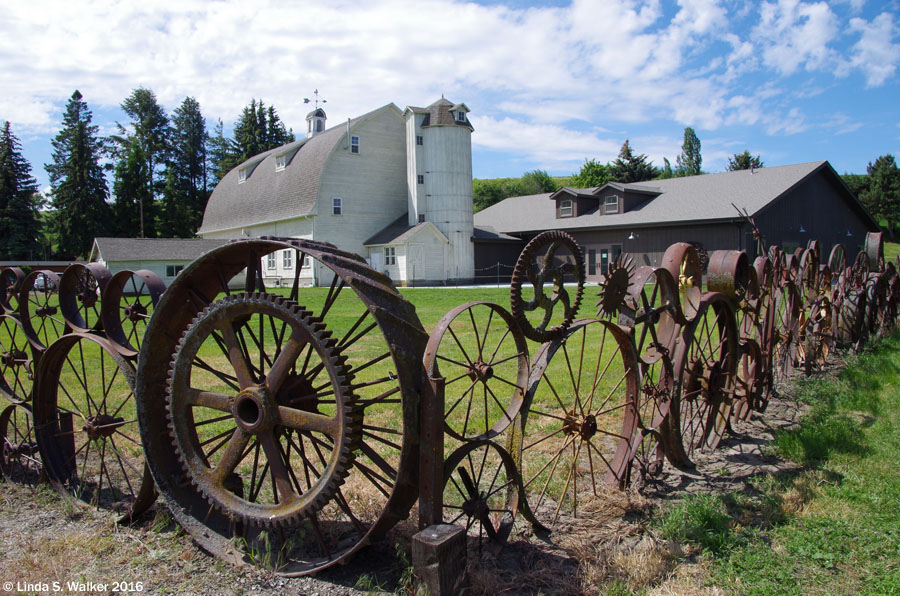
column 148, row 138
column 223, row 155
column 132, row 195
column 19, row 201
column 259, row 129
column 629, row 167
column 186, row 189
column 744, row 161
column 689, row 162
column 78, row 183
column 666, row 171
column 592, row 173
column 882, row 198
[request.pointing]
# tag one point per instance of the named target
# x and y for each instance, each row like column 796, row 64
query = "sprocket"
column 614, row 287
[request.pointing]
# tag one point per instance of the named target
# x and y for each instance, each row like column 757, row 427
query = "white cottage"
column 395, row 187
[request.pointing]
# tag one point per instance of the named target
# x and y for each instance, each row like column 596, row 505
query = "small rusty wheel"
column 11, row 279
column 849, row 310
column 652, row 310
column 483, row 490
column 874, row 250
column 785, row 313
column 816, row 335
column 80, row 289
column 648, row 449
column 19, row 458
column 750, row 380
column 17, row 359
column 549, row 258
column 837, row 258
column 86, row 426
column 615, row 286
column 579, row 417
column 258, row 393
column 705, row 368
column 808, row 276
column 481, row 352
column 683, row 261
column 128, row 302
column 39, row 312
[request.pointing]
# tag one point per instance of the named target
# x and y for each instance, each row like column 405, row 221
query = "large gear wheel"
column 615, row 285
column 550, row 257
column 260, row 409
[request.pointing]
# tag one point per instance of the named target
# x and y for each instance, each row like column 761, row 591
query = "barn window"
column 280, row 162
column 565, row 208
column 390, row 255
column 270, row 261
column 460, row 116
column 611, row 204
column 420, row 178
column 287, row 259
column 173, row 270
column 354, row 145
column 242, row 175
column 419, row 140
column 421, row 218
column 337, row 207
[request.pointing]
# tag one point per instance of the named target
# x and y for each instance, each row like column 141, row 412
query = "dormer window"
column 354, row 145
column 280, row 162
column 242, row 175
column 460, row 116
column 565, row 208
column 611, row 204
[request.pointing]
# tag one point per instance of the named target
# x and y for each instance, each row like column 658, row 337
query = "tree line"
column 627, row 167
column 879, row 191
column 150, row 179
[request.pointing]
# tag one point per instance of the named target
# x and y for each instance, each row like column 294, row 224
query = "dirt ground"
column 44, row 539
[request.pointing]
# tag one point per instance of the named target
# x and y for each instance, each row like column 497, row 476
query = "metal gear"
column 267, row 414
column 614, row 287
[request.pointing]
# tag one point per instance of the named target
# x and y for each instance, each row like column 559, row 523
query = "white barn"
column 165, row 257
column 393, row 186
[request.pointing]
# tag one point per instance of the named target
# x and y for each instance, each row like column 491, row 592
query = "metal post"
column 431, row 453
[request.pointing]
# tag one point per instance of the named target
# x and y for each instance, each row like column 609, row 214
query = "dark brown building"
column 790, row 204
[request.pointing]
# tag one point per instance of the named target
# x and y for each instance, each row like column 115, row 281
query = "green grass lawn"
column 891, row 250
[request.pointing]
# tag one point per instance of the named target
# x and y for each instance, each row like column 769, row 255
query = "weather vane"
column 317, row 100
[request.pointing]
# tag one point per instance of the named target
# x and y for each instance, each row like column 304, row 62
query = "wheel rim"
column 128, row 302
column 19, row 457
column 39, row 310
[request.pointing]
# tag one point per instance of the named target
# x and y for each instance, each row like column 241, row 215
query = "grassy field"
column 891, row 250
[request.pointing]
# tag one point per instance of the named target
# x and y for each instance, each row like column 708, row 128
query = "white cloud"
column 842, row 124
column 875, row 53
column 795, row 34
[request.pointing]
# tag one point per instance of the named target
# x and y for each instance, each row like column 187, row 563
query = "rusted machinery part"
column 808, row 276
column 39, row 311
column 765, row 273
column 837, row 258
column 579, row 417
column 648, row 447
column 785, row 311
column 877, row 288
column 80, row 292
column 826, row 280
column 480, row 351
column 615, row 286
column 293, row 396
column 386, row 461
column 860, row 269
column 705, row 366
column 483, row 491
column 653, row 311
column 683, row 261
column 11, row 279
column 817, row 335
column 17, row 361
column 874, row 249
column 551, row 257
column 750, row 380
column 849, row 310
column 729, row 272
column 20, row 460
column 816, row 247
column 791, row 271
column 86, row 426
column 127, row 304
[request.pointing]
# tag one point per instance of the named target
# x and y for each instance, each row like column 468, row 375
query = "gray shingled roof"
column 152, row 249
column 267, row 195
column 397, row 232
column 487, row 233
column 438, row 114
column 682, row 200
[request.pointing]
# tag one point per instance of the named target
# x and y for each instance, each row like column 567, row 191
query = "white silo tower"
column 439, row 177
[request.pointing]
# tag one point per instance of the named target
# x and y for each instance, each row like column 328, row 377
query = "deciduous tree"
column 592, row 173
column 690, row 160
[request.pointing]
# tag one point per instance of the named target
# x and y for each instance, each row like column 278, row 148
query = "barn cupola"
column 315, row 120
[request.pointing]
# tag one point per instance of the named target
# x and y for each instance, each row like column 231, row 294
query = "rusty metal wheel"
column 785, row 312
column 750, row 380
column 652, row 310
column 849, row 310
column 552, row 258
column 874, row 249
column 86, row 426
column 683, row 261
column 615, row 286
column 648, row 447
column 705, row 368
column 837, row 259
column 11, row 279
column 816, row 335
column 80, row 290
column 128, row 302
column 39, row 311
column 483, row 356
column 483, row 491
column 261, row 410
column 379, row 342
column 19, row 458
column 580, row 417
column 17, row 360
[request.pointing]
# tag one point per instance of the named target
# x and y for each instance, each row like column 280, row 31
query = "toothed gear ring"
column 260, row 409
column 614, row 287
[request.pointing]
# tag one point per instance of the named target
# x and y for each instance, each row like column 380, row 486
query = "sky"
column 550, row 83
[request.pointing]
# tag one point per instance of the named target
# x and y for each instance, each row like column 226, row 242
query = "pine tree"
column 132, row 195
column 223, row 155
column 744, row 161
column 690, row 160
column 882, row 197
column 19, row 219
column 259, row 129
column 186, row 190
column 148, row 137
column 629, row 167
column 79, row 189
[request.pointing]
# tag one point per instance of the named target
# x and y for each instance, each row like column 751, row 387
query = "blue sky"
column 549, row 83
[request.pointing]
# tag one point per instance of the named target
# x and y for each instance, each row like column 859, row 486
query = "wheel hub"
column 255, row 410
column 583, row 426
column 45, row 311
column 480, row 371
column 135, row 312
column 102, row 425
